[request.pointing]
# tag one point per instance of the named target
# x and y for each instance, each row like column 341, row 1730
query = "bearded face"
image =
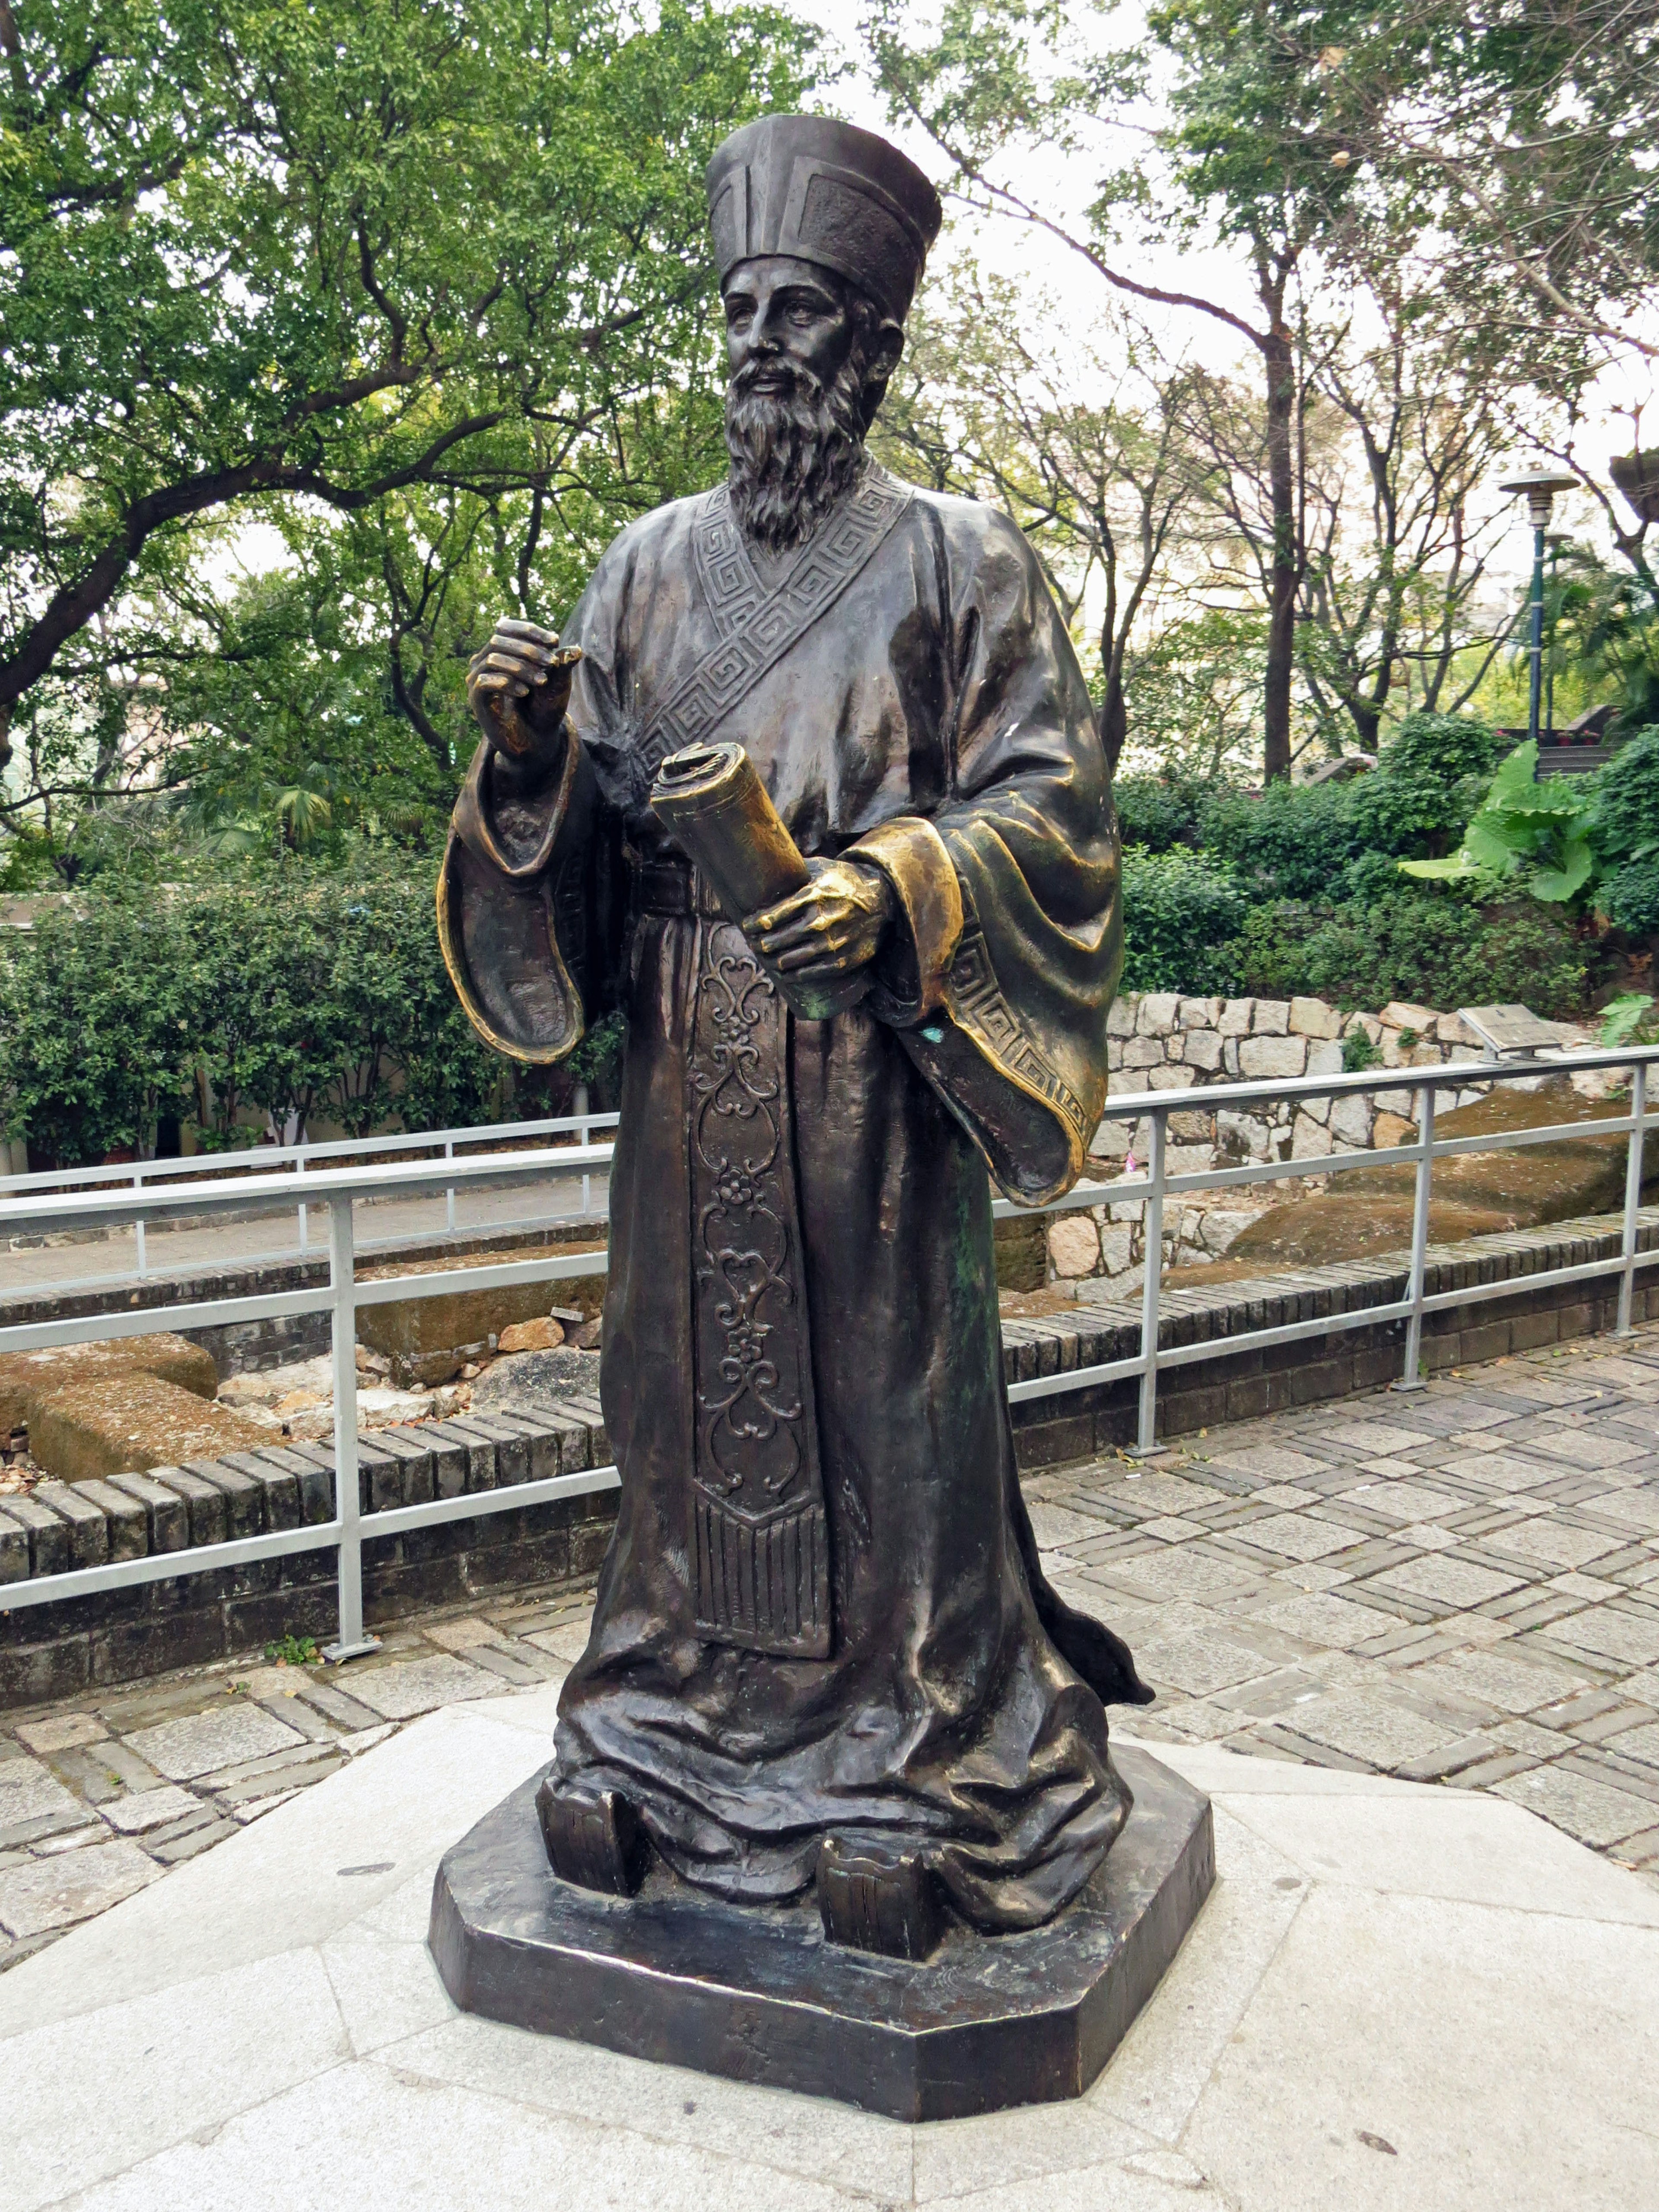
column 796, row 438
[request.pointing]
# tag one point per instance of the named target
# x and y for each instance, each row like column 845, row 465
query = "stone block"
column 1402, row 1103
column 1110, row 1141
column 1198, row 1014
column 205, row 1505
column 1324, row 1057
column 13, row 1548
column 1171, row 1079
column 1116, row 1248
column 1193, row 1128
column 89, row 1527
column 1363, row 1025
column 167, row 1512
column 511, row 1443
column 479, row 1448
column 1143, row 1052
column 1073, row 1246
column 128, row 1423
column 1230, row 1051
column 1309, row 1141
column 128, row 1523
column 1350, row 1121
column 1188, row 1159
column 417, row 1482
column 1244, row 1136
column 1234, row 1019
column 1121, row 1015
column 1312, row 1017
column 1391, row 1129
column 48, row 1534
column 1271, row 1057
column 1156, row 1014
column 312, row 1466
column 280, row 1507
column 244, row 1498
column 1400, row 1014
column 28, row 1379
column 1271, row 1017
column 1202, row 1048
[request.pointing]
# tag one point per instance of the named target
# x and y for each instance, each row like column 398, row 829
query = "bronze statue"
column 822, row 1648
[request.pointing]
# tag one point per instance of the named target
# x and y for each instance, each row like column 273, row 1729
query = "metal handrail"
column 340, row 1188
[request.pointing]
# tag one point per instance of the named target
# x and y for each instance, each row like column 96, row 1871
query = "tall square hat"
column 828, row 192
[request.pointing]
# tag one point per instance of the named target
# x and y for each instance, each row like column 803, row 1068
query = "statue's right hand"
column 519, row 688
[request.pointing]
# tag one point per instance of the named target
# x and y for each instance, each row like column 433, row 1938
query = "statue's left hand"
column 832, row 926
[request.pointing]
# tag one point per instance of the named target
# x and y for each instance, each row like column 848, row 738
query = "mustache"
column 802, row 382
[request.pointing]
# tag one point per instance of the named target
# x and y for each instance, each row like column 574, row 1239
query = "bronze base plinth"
column 758, row 1995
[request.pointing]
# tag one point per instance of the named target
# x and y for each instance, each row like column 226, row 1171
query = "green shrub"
column 1293, row 841
column 1324, row 841
column 97, row 1027
column 1624, row 828
column 1180, row 911
column 1629, row 898
column 1159, row 812
column 293, row 989
column 1429, row 780
column 1417, row 946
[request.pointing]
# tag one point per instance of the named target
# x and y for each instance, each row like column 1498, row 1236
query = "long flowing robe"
column 821, row 1610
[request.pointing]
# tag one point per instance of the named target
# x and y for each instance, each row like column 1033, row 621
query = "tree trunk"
column 1279, row 362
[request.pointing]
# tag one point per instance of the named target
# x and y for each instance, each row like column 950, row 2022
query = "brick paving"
column 1459, row 1584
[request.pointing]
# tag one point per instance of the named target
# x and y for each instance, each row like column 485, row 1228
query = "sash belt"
column 670, row 885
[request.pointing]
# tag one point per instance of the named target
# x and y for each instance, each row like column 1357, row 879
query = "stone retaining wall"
column 1159, row 1041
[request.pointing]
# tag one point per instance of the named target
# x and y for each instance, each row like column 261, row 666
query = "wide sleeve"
column 532, row 895
column 1013, row 942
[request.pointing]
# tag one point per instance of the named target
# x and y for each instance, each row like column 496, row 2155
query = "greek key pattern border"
column 759, row 631
column 978, row 1005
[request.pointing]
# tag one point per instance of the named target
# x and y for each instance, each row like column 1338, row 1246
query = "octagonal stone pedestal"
column 758, row 1996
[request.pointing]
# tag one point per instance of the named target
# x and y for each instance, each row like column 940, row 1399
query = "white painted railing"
column 191, row 1190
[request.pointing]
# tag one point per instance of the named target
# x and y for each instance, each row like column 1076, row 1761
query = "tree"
column 1087, row 454
column 333, row 251
column 1522, row 131
column 1240, row 148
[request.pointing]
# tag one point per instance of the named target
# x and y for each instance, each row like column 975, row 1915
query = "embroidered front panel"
column 759, row 1540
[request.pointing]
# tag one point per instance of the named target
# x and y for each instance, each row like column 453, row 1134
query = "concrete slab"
column 1400, row 1998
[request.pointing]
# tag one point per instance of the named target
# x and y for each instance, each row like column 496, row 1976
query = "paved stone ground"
column 1460, row 1584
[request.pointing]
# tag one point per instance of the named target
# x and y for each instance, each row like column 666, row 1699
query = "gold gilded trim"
column 915, row 861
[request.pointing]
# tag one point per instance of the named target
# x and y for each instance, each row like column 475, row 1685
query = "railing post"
column 1413, row 1377
column 352, row 1642
column 583, row 1134
column 138, row 1225
column 1146, row 1445
column 299, row 1169
column 1638, row 1101
column 449, row 1195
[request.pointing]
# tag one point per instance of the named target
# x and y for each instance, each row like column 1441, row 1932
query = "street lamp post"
column 1540, row 487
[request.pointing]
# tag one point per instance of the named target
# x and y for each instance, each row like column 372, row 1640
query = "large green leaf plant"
column 1533, row 835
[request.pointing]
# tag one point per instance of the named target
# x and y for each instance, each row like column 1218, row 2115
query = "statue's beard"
column 793, row 452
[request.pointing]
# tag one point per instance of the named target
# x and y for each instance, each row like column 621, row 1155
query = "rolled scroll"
column 717, row 811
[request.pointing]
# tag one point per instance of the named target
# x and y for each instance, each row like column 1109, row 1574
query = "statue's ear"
column 886, row 350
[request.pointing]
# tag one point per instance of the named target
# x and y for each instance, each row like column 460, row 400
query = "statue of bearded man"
column 821, row 1627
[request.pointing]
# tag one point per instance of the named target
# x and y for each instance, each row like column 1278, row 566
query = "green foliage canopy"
column 335, row 251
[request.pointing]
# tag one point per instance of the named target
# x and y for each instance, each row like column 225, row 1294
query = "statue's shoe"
column 593, row 1837
column 874, row 1896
